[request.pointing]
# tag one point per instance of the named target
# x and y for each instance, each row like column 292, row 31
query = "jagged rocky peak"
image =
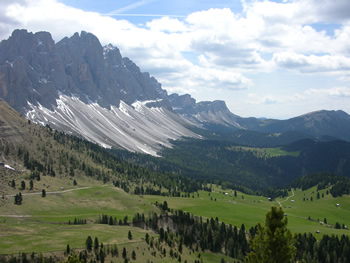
column 185, row 104
column 112, row 55
column 22, row 44
column 182, row 102
column 26, row 64
column 35, row 69
column 216, row 105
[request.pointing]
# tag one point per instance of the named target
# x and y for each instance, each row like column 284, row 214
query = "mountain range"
column 83, row 88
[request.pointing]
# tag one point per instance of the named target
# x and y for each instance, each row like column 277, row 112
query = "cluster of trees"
column 28, row 258
column 23, row 184
column 327, row 250
column 339, row 185
column 211, row 234
column 109, row 220
column 77, row 221
column 321, row 180
column 195, row 232
column 99, row 252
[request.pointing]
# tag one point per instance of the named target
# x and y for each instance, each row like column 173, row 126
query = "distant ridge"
column 316, row 124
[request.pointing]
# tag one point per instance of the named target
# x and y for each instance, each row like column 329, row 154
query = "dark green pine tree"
column 13, row 183
column 125, row 220
column 18, row 199
column 102, row 255
column 129, row 235
column 88, row 243
column 274, row 243
column 96, row 244
column 31, row 185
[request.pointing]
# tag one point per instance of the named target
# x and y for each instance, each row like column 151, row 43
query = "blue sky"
column 264, row 58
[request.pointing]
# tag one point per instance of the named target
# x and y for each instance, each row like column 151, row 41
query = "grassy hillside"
column 40, row 224
column 251, row 209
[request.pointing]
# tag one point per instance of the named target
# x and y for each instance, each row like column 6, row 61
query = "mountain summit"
column 82, row 88
column 37, row 71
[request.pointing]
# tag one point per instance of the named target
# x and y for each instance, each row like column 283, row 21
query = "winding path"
column 286, row 199
column 55, row 192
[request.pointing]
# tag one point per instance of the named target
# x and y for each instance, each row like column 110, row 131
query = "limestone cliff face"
column 204, row 113
column 36, row 69
column 79, row 87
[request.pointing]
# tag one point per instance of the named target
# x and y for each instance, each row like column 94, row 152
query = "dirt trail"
column 286, row 199
column 54, row 192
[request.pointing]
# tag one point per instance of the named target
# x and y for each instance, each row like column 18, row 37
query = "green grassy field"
column 266, row 152
column 40, row 224
column 252, row 209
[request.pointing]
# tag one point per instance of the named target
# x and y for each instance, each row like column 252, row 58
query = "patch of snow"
column 123, row 107
column 43, row 80
column 36, row 91
column 11, row 63
column 9, row 167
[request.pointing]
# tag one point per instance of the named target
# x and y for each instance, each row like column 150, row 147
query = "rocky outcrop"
column 205, row 113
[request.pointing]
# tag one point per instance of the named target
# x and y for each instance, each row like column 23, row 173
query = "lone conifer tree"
column 274, row 243
column 89, row 243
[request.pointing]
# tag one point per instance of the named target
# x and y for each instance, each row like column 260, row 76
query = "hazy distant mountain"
column 319, row 123
column 334, row 124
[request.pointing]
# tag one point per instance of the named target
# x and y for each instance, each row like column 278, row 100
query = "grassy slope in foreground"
column 252, row 209
column 38, row 225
